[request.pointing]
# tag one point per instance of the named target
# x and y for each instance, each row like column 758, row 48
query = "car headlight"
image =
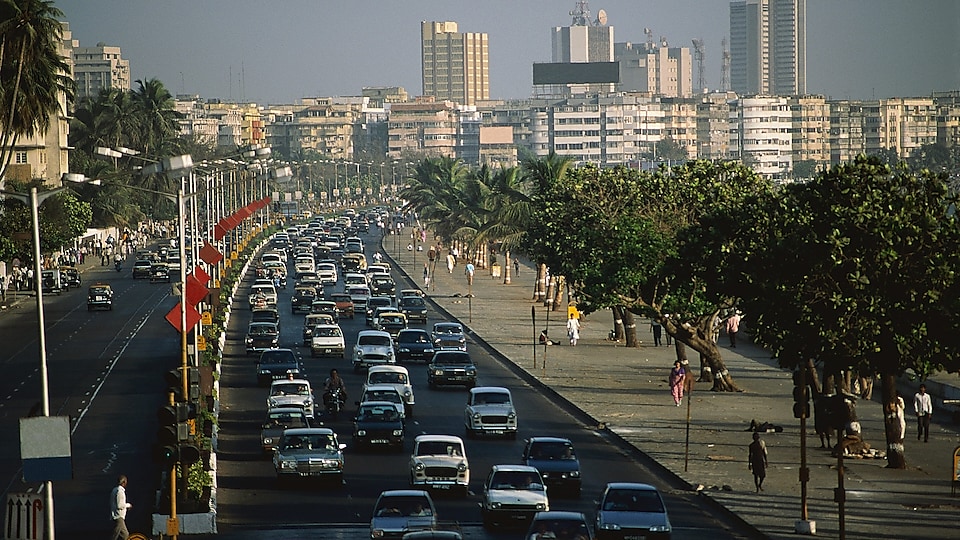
column 376, row 533
column 428, row 350
column 476, row 416
column 307, row 403
column 271, row 403
column 403, row 349
column 249, row 341
column 462, row 467
column 263, row 371
column 574, row 474
column 493, row 505
column 267, row 440
column 438, row 372
column 472, row 372
column 610, row 526
column 361, row 433
column 541, row 506
column 659, row 528
column 398, row 433
column 419, row 467
column 288, row 464
column 512, row 415
column 407, row 392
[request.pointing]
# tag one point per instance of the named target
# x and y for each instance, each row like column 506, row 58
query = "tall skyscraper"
column 98, row 68
column 768, row 47
column 455, row 65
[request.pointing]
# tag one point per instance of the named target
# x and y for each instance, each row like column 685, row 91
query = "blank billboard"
column 576, row 73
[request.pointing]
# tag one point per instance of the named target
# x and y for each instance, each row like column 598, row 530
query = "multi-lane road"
column 106, row 371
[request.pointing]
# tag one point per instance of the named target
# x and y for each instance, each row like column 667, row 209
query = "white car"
column 267, row 292
column 327, row 340
column 490, row 411
column 397, row 377
column 373, row 348
column 352, row 278
column 304, row 265
column 294, row 392
column 327, row 273
column 512, row 494
column 384, row 392
column 439, row 462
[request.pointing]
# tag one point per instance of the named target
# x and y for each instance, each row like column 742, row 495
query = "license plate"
column 441, row 486
column 496, row 431
column 634, row 537
column 378, row 441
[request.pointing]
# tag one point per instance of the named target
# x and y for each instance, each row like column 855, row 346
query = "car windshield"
column 412, row 301
column 552, row 451
column 262, row 330
column 277, row 357
column 382, row 395
column 413, row 337
column 453, row 359
column 491, row 398
column 99, row 290
column 447, row 330
column 309, row 442
column 633, row 500
column 378, row 413
column 392, row 319
column 380, row 341
column 439, row 448
column 378, row 301
column 516, row 480
column 290, row 389
column 560, row 529
column 388, row 377
column 341, row 298
column 402, row 506
column 286, row 420
column 327, row 332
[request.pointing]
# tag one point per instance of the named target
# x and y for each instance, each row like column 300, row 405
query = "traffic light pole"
column 173, row 525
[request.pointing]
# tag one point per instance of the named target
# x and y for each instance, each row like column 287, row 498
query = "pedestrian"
column 516, row 266
column 923, row 406
column 426, row 275
column 451, row 262
column 899, row 407
column 677, row 377
column 657, row 330
column 469, row 271
column 757, row 461
column 3, row 288
column 118, row 509
column 573, row 329
column 733, row 326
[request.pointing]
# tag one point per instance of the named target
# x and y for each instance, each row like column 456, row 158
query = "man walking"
column 733, row 326
column 923, row 406
column 118, row 509
column 757, row 461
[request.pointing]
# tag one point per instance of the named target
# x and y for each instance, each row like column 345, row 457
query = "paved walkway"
column 626, row 391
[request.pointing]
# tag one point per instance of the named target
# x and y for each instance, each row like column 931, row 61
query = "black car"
column 266, row 314
column 451, row 367
column 99, row 296
column 557, row 462
column 377, row 424
column 414, row 345
column 261, row 336
column 159, row 272
column 276, row 364
column 141, row 268
column 448, row 336
column 383, row 286
column 414, row 308
column 302, row 299
column 373, row 303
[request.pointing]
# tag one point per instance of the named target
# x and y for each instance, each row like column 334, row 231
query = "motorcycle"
column 117, row 263
column 333, row 401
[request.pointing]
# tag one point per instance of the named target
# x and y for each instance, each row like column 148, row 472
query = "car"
column 174, row 263
column 353, row 262
column 292, row 392
column 490, row 411
column 375, row 302
column 381, row 284
column 325, row 306
column 440, row 462
column 414, row 345
column 359, row 294
column 512, row 495
column 99, row 296
column 377, row 423
column 262, row 294
column 631, row 510
column 344, row 304
column 304, row 264
column 327, row 340
column 373, row 348
column 396, row 376
column 267, row 314
column 403, row 293
column 309, row 452
column 353, row 278
column 327, row 271
column 391, row 322
column 277, row 420
column 141, row 268
column 261, row 335
column 275, row 364
column 70, row 277
column 159, row 272
column 302, row 298
column 559, row 525
column 384, row 392
column 449, row 336
column 414, row 307
column 557, row 462
column 310, row 322
column 451, row 367
column 399, row 511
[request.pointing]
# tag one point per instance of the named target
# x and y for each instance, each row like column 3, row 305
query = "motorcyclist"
column 333, row 383
column 117, row 260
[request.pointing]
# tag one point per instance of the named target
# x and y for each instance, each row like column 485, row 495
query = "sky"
column 277, row 51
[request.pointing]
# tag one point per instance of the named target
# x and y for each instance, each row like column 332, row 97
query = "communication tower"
column 699, row 55
column 581, row 14
column 725, row 67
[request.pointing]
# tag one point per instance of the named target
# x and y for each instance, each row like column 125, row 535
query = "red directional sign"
column 210, row 254
column 195, row 290
column 173, row 317
column 201, row 276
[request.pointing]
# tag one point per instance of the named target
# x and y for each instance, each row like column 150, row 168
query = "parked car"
column 292, row 392
column 377, row 423
column 276, row 364
column 414, row 307
column 141, row 268
column 309, row 452
column 512, row 495
column 440, row 462
column 557, row 462
column 373, row 348
column 560, row 526
column 449, row 336
column 414, row 345
column 399, row 511
column 99, row 296
column 396, row 376
column 490, row 411
column 70, row 277
column 327, row 340
column 632, row 510
column 344, row 304
column 277, row 420
column 451, row 367
column 310, row 322
column 261, row 336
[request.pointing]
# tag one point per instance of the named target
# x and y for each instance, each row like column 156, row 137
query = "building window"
column 20, row 158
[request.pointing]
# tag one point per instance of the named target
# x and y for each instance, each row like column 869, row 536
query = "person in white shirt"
column 118, row 509
column 923, row 406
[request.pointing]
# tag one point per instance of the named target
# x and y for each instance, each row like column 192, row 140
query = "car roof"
column 286, row 410
column 484, row 389
column 373, row 333
column 630, row 485
column 391, row 368
column 381, row 388
column 263, row 323
column 438, row 438
column 420, row 331
column 447, row 324
column 379, row 403
column 515, row 468
column 561, row 514
column 308, row 431
column 550, row 440
column 288, row 381
column 405, row 493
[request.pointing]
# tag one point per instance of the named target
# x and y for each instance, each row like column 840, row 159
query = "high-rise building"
column 768, row 47
column 455, row 65
column 655, row 68
column 98, row 68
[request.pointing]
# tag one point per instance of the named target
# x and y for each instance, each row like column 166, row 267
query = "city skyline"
column 240, row 50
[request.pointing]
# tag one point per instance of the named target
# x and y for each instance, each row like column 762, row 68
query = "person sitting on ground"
column 545, row 339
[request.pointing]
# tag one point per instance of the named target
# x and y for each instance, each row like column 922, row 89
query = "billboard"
column 576, row 73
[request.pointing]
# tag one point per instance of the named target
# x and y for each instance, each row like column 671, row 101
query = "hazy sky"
column 275, row 51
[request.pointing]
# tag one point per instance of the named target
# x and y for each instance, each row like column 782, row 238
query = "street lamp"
column 33, row 200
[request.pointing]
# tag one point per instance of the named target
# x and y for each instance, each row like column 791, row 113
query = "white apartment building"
column 98, row 68
column 761, row 127
column 655, row 68
column 810, row 117
column 907, row 124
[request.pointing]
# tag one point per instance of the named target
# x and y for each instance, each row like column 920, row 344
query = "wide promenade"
column 625, row 391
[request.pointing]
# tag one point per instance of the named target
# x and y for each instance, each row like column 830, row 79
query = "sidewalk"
column 625, row 391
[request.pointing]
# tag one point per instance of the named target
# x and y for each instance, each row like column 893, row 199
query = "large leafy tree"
column 62, row 218
column 858, row 270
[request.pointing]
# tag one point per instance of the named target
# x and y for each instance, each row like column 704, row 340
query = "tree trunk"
column 618, row 334
column 896, row 458
column 506, row 267
column 706, row 373
column 559, row 285
column 540, row 285
column 630, row 329
column 700, row 339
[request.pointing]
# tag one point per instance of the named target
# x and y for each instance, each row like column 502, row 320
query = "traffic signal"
column 175, row 382
column 174, row 435
column 801, row 396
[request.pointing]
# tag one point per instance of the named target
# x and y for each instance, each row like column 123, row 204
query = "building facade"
column 99, row 68
column 454, row 65
column 655, row 68
column 768, row 42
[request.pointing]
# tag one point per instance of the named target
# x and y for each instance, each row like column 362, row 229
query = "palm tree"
column 157, row 117
column 33, row 75
column 544, row 173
